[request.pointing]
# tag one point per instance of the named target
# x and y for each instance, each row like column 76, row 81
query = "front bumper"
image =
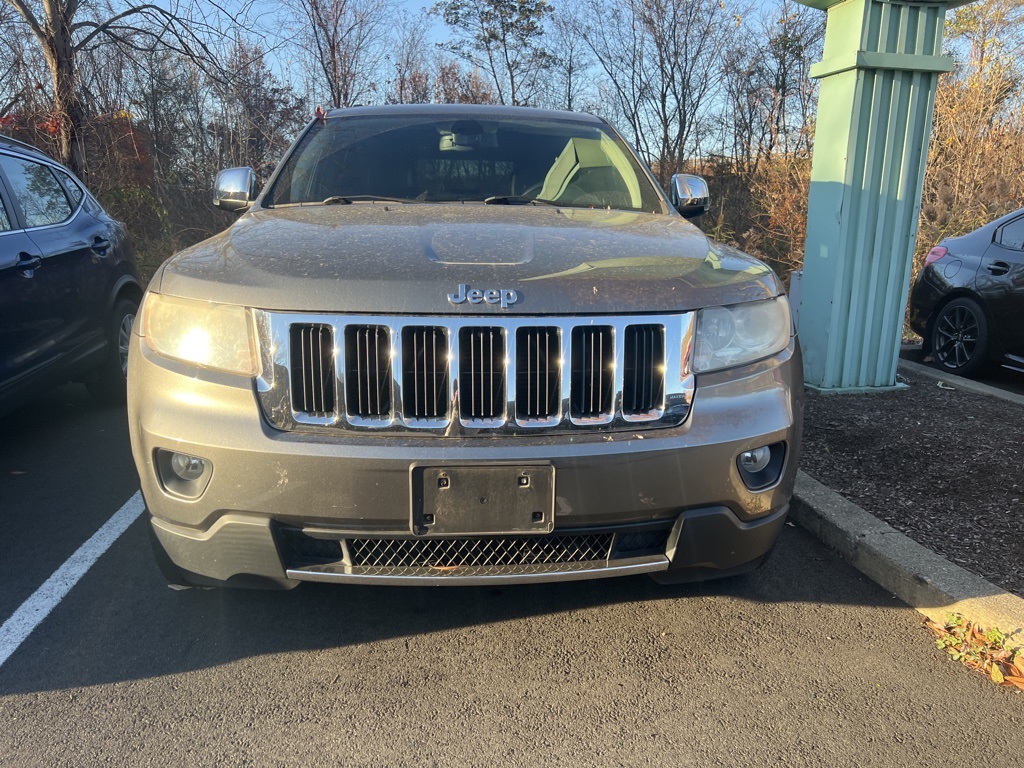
column 678, row 487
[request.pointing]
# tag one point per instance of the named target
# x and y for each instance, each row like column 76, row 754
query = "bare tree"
column 504, row 39
column 618, row 43
column 409, row 63
column 994, row 28
column 572, row 60
column 345, row 41
column 661, row 59
column 13, row 85
column 64, row 30
column 453, row 86
column 769, row 97
column 259, row 113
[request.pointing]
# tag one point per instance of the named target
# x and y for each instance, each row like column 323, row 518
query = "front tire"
column 959, row 338
column 110, row 385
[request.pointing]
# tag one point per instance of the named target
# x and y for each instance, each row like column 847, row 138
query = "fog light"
column 187, row 467
column 182, row 474
column 756, row 460
column 761, row 468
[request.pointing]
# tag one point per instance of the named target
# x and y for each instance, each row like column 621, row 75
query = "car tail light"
column 935, row 254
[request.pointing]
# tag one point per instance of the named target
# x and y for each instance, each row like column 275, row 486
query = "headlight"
column 217, row 336
column 743, row 333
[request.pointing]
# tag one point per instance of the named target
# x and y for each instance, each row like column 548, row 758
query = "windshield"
column 446, row 158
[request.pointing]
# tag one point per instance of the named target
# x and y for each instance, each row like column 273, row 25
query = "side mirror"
column 689, row 194
column 235, row 189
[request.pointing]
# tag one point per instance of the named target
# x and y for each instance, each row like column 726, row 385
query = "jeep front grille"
column 474, row 375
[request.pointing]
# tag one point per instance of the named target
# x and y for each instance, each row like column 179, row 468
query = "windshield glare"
column 430, row 158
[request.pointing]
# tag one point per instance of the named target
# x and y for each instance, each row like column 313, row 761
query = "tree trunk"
column 68, row 109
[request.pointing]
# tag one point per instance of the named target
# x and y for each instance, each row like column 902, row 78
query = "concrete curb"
column 916, row 575
column 958, row 382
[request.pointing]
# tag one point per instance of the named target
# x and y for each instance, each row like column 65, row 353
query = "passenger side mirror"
column 689, row 195
column 235, row 189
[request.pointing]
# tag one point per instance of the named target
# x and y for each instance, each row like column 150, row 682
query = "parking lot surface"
column 803, row 663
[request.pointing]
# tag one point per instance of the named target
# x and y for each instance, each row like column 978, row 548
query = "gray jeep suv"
column 462, row 345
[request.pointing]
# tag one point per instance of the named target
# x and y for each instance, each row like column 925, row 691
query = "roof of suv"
column 483, row 111
column 8, row 142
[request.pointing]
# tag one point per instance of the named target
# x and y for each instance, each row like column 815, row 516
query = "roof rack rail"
column 23, row 144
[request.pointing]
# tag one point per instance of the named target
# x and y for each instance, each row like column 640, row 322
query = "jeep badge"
column 503, row 296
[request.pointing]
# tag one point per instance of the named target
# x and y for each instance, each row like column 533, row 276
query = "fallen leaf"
column 1017, row 681
column 996, row 674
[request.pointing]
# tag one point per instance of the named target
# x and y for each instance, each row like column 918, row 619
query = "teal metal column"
column 878, row 77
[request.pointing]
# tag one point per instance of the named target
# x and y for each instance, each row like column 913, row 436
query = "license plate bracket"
column 483, row 500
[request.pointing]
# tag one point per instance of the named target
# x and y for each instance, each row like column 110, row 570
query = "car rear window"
column 74, row 191
column 5, row 220
column 37, row 191
column 1012, row 235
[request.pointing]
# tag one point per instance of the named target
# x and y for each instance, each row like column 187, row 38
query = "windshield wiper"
column 349, row 199
column 518, row 200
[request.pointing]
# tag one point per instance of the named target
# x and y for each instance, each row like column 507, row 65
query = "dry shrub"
column 781, row 189
column 761, row 209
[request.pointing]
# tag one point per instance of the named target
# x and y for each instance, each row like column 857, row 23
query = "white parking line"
column 45, row 599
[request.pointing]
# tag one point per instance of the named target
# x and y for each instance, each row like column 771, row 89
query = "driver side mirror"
column 235, row 189
column 689, row 195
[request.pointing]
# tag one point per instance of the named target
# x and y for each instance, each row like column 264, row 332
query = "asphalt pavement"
column 806, row 662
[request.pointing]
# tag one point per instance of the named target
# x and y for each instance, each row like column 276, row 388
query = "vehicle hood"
column 393, row 258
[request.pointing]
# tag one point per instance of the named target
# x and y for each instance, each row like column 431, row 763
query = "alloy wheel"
column 957, row 335
column 124, row 337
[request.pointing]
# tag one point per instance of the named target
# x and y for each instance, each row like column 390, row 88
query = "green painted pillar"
column 878, row 77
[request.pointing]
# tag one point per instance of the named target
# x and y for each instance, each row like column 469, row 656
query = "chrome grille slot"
column 538, row 374
column 643, row 386
column 467, row 376
column 482, row 373
column 593, row 372
column 368, row 371
column 312, row 369
column 425, row 373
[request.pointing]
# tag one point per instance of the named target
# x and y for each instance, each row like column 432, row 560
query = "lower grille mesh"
column 483, row 552
column 318, row 551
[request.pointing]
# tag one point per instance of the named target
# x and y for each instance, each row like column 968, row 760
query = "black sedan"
column 968, row 301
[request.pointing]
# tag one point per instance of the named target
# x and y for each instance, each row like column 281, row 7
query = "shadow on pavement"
column 121, row 623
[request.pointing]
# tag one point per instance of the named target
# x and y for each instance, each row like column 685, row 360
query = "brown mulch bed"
column 940, row 464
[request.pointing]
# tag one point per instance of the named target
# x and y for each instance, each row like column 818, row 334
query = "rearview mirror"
column 235, row 189
column 689, row 195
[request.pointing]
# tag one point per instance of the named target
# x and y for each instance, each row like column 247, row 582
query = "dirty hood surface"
column 378, row 258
